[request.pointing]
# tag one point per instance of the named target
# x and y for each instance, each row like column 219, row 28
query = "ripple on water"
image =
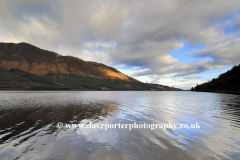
column 28, row 128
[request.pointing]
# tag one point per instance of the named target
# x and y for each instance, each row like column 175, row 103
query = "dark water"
column 28, row 125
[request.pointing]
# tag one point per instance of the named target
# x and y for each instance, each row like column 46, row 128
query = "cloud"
column 180, row 69
column 222, row 53
column 107, row 21
column 177, row 82
column 192, row 77
column 145, row 54
column 94, row 56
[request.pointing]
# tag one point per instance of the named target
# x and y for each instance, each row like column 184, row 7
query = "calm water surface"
column 28, row 125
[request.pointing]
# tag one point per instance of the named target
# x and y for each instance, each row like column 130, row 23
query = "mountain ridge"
column 16, row 79
column 35, row 60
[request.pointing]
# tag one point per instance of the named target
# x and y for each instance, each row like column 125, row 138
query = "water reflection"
column 17, row 122
column 28, row 128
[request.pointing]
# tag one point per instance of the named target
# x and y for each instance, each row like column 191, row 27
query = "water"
column 28, row 125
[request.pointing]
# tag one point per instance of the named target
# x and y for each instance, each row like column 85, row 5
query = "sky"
column 179, row 43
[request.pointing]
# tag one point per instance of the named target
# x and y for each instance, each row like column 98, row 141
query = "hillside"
column 228, row 82
column 164, row 88
column 16, row 79
column 38, row 61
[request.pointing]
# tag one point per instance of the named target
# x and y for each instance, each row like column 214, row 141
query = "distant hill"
column 164, row 88
column 16, row 79
column 38, row 61
column 228, row 82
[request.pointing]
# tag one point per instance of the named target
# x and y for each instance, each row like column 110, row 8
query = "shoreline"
column 223, row 91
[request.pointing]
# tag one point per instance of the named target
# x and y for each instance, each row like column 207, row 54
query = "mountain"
column 164, row 88
column 228, row 82
column 27, row 67
column 38, row 61
column 16, row 79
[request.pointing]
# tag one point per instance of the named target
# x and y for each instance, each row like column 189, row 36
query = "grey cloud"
column 146, row 54
column 192, row 77
column 180, row 69
column 224, row 53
